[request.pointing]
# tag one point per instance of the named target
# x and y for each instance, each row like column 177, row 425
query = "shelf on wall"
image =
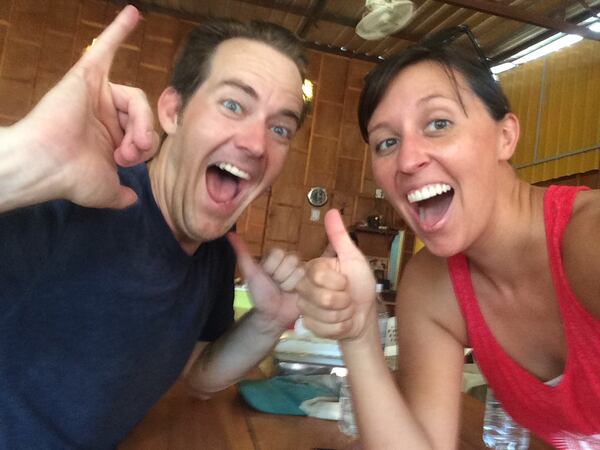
column 384, row 231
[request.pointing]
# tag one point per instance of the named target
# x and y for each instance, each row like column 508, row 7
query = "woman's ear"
column 509, row 137
column 168, row 109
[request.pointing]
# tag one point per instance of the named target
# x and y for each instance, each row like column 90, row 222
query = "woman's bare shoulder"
column 581, row 250
column 426, row 274
column 426, row 290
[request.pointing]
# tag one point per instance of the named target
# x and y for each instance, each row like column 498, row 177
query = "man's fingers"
column 106, row 45
column 286, row 267
column 289, row 284
column 135, row 115
column 272, row 260
column 124, row 198
column 248, row 267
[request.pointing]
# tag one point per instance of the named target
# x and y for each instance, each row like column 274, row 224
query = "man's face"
column 231, row 140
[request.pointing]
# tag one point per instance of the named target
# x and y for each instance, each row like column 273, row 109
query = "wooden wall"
column 41, row 39
column 557, row 99
column 328, row 152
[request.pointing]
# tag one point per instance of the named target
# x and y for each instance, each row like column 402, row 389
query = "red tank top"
column 566, row 415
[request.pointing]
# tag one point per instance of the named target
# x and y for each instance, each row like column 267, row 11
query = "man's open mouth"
column 431, row 202
column 224, row 181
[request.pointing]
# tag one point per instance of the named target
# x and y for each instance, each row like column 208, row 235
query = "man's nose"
column 252, row 137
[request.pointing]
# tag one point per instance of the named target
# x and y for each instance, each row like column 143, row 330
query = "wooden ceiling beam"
column 145, row 7
column 519, row 15
column 279, row 6
column 312, row 16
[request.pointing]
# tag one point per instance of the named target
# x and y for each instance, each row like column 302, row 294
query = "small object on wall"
column 315, row 215
column 317, row 196
column 375, row 222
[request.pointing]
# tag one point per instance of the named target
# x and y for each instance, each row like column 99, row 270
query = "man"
column 109, row 278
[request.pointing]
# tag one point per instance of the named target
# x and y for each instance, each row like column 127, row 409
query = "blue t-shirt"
column 99, row 311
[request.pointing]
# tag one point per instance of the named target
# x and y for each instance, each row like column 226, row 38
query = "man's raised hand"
column 72, row 141
column 271, row 283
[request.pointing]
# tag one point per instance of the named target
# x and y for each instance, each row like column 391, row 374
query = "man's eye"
column 438, row 124
column 386, row 144
column 232, row 106
column 281, row 131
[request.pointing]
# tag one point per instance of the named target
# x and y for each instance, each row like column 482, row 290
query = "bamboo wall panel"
column 522, row 86
column 572, row 78
column 566, row 134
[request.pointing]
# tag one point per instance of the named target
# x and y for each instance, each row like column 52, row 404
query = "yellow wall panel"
column 557, row 100
column 558, row 168
column 523, row 89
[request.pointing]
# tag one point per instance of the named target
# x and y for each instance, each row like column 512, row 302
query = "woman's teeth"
column 427, row 192
column 234, row 170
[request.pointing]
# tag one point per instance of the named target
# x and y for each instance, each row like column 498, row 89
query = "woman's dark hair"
column 451, row 58
column 193, row 62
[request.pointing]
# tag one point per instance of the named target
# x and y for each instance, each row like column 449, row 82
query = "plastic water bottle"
column 382, row 314
column 500, row 431
column 347, row 422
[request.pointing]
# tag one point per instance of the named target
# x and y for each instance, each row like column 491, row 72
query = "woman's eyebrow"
column 378, row 126
column 432, row 97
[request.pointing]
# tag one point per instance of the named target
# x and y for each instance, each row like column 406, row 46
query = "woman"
column 508, row 268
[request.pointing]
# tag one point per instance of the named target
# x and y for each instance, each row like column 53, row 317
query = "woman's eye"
column 438, row 124
column 232, row 106
column 280, row 131
column 386, row 144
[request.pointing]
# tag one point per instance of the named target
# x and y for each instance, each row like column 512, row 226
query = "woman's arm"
column 421, row 410
column 337, row 300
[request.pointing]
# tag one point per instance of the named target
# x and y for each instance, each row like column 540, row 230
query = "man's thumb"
column 246, row 263
column 338, row 236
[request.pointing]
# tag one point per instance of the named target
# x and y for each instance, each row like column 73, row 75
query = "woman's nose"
column 412, row 154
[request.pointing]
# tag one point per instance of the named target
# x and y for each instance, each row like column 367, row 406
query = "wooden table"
column 181, row 422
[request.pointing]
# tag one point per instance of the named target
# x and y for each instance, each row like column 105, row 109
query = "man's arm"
column 228, row 359
column 68, row 146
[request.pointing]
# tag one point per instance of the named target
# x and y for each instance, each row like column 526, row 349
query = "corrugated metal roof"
column 502, row 27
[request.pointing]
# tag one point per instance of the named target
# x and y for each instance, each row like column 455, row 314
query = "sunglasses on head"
column 449, row 35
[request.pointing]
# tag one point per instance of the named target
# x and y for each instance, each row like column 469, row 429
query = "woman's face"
column 437, row 158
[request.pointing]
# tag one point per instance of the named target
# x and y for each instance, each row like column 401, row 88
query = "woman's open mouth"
column 430, row 203
column 224, row 181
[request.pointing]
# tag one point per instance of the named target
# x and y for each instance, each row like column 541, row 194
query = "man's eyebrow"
column 240, row 85
column 294, row 115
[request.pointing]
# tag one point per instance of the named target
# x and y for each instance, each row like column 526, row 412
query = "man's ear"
column 168, row 109
column 509, row 137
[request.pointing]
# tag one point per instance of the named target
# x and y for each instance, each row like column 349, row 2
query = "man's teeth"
column 234, row 170
column 427, row 192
